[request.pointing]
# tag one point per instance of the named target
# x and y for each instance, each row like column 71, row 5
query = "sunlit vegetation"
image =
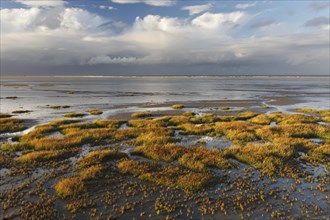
column 74, row 114
column 177, row 106
column 70, row 187
column 177, row 120
column 167, row 163
column 46, row 156
column 16, row 147
column 282, row 118
column 100, row 156
column 246, row 115
column 171, row 176
column 94, row 112
column 9, row 125
column 135, row 168
column 55, row 106
column 74, row 135
column 224, row 118
column 272, row 159
column 146, row 123
column 261, row 120
column 164, row 152
column 107, row 123
column 150, row 137
column 324, row 114
column 126, row 134
column 199, row 158
column 320, row 154
column 195, row 129
column 204, row 119
column 294, row 131
column 58, row 106
column 189, row 114
column 141, row 114
column 237, row 131
column 92, row 172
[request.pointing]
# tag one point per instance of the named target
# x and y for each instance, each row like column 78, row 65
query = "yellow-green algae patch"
column 10, row 125
column 171, row 176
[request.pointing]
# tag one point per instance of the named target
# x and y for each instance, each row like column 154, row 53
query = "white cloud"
column 10, row 22
column 196, row 9
column 41, row 19
column 41, row 3
column 211, row 21
column 148, row 2
column 245, row 6
column 107, row 7
column 75, row 19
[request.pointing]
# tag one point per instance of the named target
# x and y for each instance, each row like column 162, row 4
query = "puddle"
column 316, row 140
column 215, row 143
column 55, row 134
column 206, row 141
column 123, row 126
column 84, row 150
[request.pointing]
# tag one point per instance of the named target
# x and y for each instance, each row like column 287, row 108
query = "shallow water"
column 116, row 95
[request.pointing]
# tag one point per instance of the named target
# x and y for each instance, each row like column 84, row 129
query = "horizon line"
column 157, row 76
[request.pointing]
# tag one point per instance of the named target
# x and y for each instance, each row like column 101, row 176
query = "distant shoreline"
column 165, row 76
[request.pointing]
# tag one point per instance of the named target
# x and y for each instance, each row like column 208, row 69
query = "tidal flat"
column 261, row 155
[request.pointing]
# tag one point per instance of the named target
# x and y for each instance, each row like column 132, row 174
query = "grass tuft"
column 177, row 106
column 141, row 115
column 100, row 156
column 94, row 112
column 70, row 187
column 74, row 115
column 10, row 125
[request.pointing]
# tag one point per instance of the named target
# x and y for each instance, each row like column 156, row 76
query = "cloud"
column 10, row 22
column 111, row 60
column 41, row 3
column 107, row 7
column 245, row 6
column 148, row 2
column 318, row 6
column 196, row 9
column 318, row 21
column 262, row 23
column 43, row 20
column 69, row 39
column 212, row 21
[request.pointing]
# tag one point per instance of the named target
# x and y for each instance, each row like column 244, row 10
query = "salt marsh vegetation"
column 103, row 169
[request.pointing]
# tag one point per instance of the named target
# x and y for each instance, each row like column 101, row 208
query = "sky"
column 164, row 37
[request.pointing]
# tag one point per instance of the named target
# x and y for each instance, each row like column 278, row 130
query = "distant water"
column 108, row 92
